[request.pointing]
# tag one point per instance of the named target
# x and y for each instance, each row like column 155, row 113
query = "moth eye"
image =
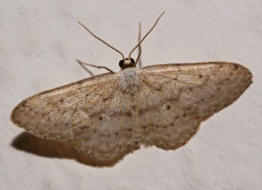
column 132, row 60
column 121, row 63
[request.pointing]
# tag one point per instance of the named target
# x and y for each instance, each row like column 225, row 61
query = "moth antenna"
column 98, row 67
column 146, row 34
column 101, row 40
column 138, row 59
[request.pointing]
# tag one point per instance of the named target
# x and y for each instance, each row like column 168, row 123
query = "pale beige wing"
column 92, row 114
column 175, row 98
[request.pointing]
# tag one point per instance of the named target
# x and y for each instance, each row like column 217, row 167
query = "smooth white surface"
column 39, row 41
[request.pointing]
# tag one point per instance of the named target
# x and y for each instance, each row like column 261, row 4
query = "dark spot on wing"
column 235, row 66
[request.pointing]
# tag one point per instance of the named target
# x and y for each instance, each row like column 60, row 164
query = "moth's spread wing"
column 83, row 113
column 175, row 98
column 110, row 115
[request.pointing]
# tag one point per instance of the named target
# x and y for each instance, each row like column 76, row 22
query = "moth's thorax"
column 129, row 80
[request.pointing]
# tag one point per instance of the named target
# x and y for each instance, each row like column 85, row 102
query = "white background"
column 39, row 41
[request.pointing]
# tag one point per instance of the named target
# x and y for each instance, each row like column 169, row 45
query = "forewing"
column 175, row 98
column 53, row 114
column 90, row 114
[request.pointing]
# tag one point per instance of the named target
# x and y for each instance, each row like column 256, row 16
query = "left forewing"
column 55, row 113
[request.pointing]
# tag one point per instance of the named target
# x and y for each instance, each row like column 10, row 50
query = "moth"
column 108, row 115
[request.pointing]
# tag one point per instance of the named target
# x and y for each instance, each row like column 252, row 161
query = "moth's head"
column 127, row 62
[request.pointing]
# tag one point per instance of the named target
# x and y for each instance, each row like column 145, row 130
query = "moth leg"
column 138, row 59
column 85, row 68
column 98, row 67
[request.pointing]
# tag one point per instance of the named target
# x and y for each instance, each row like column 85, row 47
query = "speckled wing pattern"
column 109, row 115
